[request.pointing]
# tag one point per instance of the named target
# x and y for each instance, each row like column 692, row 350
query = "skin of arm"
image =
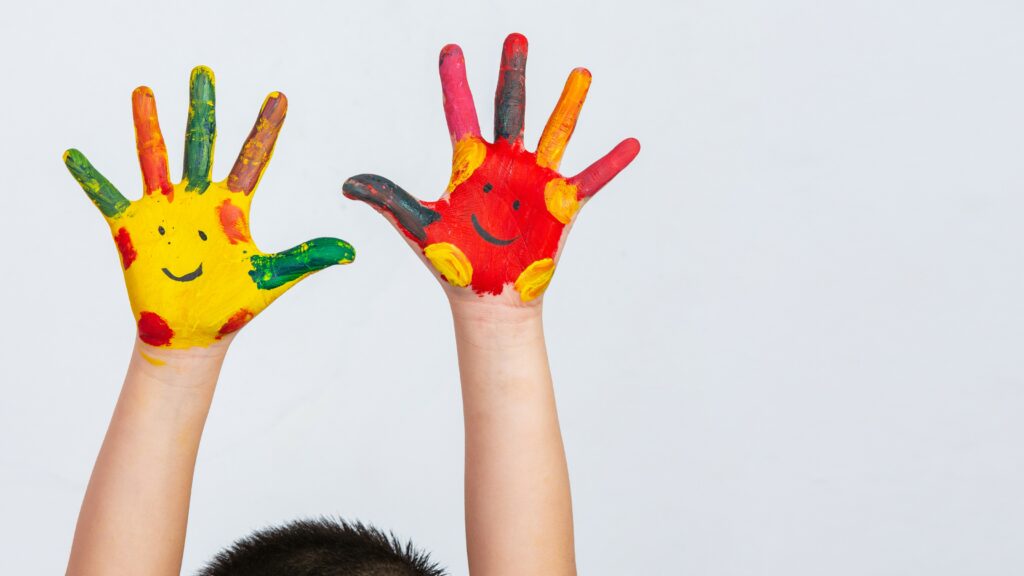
column 195, row 278
column 135, row 510
column 493, row 240
column 518, row 505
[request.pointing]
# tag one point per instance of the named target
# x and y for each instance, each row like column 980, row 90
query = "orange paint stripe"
column 232, row 222
column 150, row 143
column 562, row 122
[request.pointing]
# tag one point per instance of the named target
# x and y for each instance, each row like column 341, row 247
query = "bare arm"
column 518, row 506
column 135, row 510
column 194, row 277
column 493, row 240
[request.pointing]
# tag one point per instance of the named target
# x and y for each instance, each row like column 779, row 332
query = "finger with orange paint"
column 499, row 226
column 150, row 143
column 194, row 274
column 562, row 122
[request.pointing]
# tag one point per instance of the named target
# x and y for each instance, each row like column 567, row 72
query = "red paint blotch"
column 124, row 246
column 232, row 221
column 153, row 329
column 505, row 208
column 235, row 323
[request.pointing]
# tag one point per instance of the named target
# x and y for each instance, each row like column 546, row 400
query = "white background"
column 786, row 340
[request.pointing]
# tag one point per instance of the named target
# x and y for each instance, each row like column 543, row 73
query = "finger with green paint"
column 194, row 274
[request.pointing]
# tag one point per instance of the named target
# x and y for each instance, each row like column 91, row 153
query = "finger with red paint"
column 459, row 109
column 193, row 272
column 595, row 176
column 498, row 227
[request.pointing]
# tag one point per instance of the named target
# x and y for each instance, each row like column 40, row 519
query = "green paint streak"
column 273, row 270
column 102, row 193
column 201, row 130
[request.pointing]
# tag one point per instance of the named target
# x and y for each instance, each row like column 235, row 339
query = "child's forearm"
column 135, row 510
column 518, row 506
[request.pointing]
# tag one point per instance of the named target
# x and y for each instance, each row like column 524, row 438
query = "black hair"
column 322, row 547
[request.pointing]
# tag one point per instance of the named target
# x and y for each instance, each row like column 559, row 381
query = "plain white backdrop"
column 786, row 341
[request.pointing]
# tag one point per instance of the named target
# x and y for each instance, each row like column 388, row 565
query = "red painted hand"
column 506, row 211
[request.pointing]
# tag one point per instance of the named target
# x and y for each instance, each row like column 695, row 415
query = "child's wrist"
column 490, row 310
column 490, row 326
column 184, row 368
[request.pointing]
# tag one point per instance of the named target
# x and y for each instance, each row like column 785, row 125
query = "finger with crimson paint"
column 500, row 224
column 194, row 274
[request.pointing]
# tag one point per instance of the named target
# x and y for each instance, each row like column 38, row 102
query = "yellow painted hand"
column 193, row 273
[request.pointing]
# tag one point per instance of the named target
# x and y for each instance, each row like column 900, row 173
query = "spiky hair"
column 321, row 547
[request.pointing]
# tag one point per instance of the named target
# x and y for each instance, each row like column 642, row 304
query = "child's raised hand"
column 506, row 211
column 193, row 272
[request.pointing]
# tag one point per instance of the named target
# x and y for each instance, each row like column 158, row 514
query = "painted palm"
column 502, row 219
column 192, row 270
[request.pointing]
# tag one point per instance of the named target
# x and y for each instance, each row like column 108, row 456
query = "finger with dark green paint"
column 273, row 270
column 510, row 97
column 391, row 200
column 201, row 130
column 102, row 193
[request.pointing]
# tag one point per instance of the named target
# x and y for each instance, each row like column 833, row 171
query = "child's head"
column 321, row 547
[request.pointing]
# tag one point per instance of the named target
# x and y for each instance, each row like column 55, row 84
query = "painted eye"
column 161, row 230
column 515, row 204
column 202, row 235
column 488, row 187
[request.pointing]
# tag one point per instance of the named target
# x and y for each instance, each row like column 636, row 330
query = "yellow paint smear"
column 560, row 197
column 166, row 235
column 468, row 155
column 450, row 262
column 151, row 360
column 535, row 279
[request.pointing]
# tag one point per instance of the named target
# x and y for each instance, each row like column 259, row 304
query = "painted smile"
column 488, row 236
column 187, row 277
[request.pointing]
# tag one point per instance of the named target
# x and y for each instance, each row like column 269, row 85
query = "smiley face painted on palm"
column 187, row 260
column 193, row 273
column 502, row 224
column 503, row 216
